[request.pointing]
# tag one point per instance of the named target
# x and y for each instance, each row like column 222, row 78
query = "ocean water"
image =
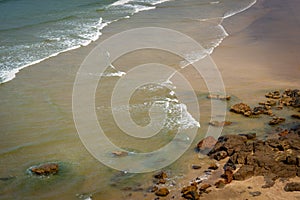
column 32, row 30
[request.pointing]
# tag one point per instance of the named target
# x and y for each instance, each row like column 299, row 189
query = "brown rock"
column 203, row 188
column 245, row 172
column 206, row 144
column 213, row 166
column 291, row 187
column 190, row 192
column 120, row 153
column 276, row 120
column 220, row 124
column 162, row 192
column 228, row 175
column 45, row 169
column 220, row 183
column 241, row 108
column 273, row 95
column 160, row 175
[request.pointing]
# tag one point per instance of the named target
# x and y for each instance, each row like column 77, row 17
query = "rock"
column 220, row 124
column 297, row 116
column 203, row 188
column 273, row 95
column 220, row 183
column 241, row 108
column 291, row 187
column 213, row 166
column 190, row 192
column 245, row 172
column 45, row 169
column 283, row 133
column 255, row 194
column 228, row 144
column 196, row 167
column 206, row 144
column 228, row 175
column 276, row 120
column 219, row 97
column 219, row 155
column 162, row 192
column 249, row 136
column 120, row 153
column 160, row 175
column 152, row 188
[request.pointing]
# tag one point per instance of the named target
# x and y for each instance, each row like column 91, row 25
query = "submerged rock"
column 45, row 169
column 297, row 116
column 219, row 97
column 220, row 124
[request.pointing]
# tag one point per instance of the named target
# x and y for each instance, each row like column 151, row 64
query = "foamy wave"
column 121, row 2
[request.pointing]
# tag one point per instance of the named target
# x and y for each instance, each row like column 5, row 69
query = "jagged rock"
column 220, row 124
column 219, row 97
column 245, row 172
column 190, row 192
column 206, row 144
column 291, row 187
column 276, row 120
column 162, row 192
column 45, row 169
column 241, row 108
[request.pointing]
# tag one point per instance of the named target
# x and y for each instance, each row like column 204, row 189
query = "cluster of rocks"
column 159, row 178
column 274, row 158
column 275, row 100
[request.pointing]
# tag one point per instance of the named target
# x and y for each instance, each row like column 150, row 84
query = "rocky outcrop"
column 273, row 158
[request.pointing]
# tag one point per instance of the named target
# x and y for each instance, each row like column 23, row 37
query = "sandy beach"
column 260, row 54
